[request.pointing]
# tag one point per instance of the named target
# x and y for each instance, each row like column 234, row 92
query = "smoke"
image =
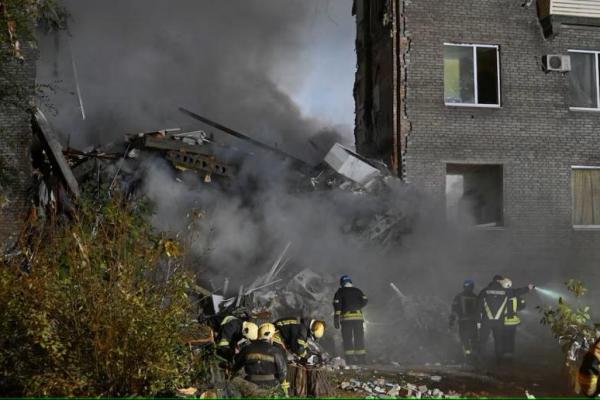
column 236, row 62
column 233, row 61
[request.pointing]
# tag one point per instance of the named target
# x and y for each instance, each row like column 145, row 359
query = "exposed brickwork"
column 15, row 165
column 533, row 135
column 374, row 80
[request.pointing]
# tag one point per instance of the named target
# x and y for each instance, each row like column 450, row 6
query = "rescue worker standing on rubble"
column 348, row 303
column 264, row 363
column 293, row 334
column 464, row 309
column 493, row 302
column 231, row 330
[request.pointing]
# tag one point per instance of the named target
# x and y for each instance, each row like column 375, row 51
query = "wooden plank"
column 55, row 152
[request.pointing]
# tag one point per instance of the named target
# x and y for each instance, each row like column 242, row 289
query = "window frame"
column 474, row 46
column 597, row 65
column 501, row 224
column 590, row 227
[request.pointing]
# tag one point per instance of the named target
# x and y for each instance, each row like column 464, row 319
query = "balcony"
column 554, row 13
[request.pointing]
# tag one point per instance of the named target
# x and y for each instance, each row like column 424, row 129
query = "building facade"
column 15, row 147
column 465, row 105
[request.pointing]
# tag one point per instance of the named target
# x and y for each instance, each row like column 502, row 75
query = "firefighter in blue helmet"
column 348, row 303
column 464, row 310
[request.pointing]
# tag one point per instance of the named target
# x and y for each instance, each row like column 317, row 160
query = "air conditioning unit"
column 556, row 62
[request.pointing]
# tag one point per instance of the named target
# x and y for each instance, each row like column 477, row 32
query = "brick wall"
column 533, row 135
column 15, row 165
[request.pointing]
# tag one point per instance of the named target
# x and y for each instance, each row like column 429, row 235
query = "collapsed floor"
column 284, row 286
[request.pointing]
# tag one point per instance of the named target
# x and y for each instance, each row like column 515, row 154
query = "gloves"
column 336, row 322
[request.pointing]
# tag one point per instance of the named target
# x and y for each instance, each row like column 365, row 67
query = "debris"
column 346, row 386
column 528, row 395
column 54, row 151
column 395, row 391
column 187, row 392
column 351, row 165
column 337, row 363
column 295, row 162
column 422, row 389
column 436, row 378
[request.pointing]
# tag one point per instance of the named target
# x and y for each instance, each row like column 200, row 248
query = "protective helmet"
column 506, row 283
column 266, row 331
column 469, row 284
column 317, row 328
column 250, row 330
column 345, row 279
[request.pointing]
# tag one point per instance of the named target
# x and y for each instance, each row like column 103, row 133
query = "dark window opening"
column 474, row 194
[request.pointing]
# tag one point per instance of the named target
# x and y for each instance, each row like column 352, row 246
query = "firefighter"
column 264, row 363
column 293, row 333
column 516, row 303
column 348, row 303
column 587, row 376
column 464, row 309
column 492, row 311
column 231, row 331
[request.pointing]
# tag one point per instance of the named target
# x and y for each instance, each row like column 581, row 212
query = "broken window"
column 585, row 93
column 585, row 193
column 474, row 194
column 471, row 75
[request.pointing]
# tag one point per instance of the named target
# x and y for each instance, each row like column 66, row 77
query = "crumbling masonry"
column 525, row 158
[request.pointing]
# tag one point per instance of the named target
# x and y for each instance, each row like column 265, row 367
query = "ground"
column 459, row 380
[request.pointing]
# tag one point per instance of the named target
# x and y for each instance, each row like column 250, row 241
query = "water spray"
column 552, row 294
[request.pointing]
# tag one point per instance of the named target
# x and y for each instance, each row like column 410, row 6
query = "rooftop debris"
column 295, row 162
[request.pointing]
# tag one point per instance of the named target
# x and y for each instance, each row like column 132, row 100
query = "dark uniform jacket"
column 587, row 376
column 263, row 362
column 294, row 332
column 230, row 332
column 348, row 303
column 493, row 301
column 464, row 307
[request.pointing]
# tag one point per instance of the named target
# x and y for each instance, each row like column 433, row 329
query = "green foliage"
column 95, row 307
column 568, row 321
column 18, row 21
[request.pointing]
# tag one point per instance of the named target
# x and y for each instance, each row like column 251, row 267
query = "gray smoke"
column 230, row 60
column 234, row 62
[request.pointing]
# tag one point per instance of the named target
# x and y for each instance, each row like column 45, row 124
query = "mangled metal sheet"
column 351, row 165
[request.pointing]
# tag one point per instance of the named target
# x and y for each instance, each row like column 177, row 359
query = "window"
column 584, row 80
column 585, row 196
column 471, row 75
column 474, row 194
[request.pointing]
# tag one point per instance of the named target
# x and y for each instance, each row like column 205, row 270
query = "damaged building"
column 16, row 133
column 491, row 106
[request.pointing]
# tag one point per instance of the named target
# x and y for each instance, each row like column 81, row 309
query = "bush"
column 95, row 306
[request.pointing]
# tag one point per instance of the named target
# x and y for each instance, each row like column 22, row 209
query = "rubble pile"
column 382, row 388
